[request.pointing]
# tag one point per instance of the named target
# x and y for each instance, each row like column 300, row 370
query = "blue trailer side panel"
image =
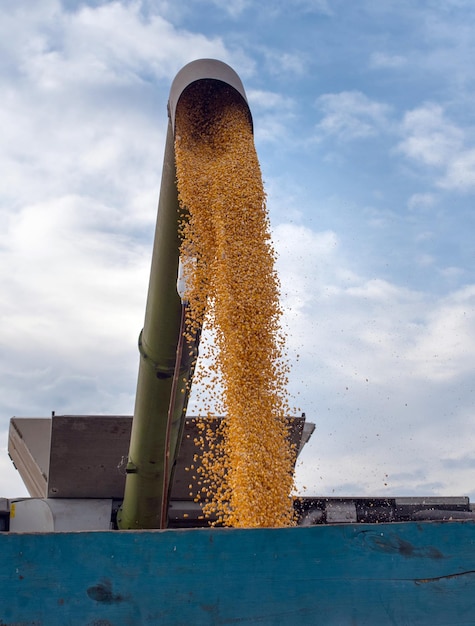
column 399, row 573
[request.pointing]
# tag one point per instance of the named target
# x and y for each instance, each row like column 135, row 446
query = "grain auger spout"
column 166, row 365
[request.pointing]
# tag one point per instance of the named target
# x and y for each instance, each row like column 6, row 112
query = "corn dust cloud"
column 247, row 467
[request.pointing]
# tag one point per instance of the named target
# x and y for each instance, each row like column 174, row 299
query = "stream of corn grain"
column 247, row 465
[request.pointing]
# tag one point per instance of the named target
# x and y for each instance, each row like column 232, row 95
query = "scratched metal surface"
column 399, row 573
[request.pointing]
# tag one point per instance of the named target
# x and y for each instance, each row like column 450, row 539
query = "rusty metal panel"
column 84, row 456
column 88, row 456
column 28, row 446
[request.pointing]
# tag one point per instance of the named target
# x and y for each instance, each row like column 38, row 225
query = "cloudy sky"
column 365, row 130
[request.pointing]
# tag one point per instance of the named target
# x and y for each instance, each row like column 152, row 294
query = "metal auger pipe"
column 166, row 364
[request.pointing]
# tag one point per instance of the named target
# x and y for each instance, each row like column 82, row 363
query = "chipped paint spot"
column 422, row 581
column 390, row 543
column 103, row 593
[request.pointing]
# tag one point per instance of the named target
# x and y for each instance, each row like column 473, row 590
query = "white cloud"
column 351, row 115
column 421, row 201
column 319, row 7
column 282, row 8
column 269, row 100
column 280, row 63
column 431, row 139
column 304, row 263
column 425, row 260
column 233, row 7
column 84, row 107
column 95, row 48
column 69, row 287
column 272, row 113
column 385, row 372
column 452, row 272
column 444, row 348
column 382, row 60
column 460, row 172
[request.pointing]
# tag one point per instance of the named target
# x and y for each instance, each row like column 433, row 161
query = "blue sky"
column 365, row 130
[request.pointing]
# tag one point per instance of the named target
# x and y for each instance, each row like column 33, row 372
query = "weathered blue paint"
column 399, row 573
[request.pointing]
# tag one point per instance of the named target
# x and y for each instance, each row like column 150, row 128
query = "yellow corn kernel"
column 247, row 460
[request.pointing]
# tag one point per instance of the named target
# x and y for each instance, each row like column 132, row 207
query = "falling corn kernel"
column 246, row 460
